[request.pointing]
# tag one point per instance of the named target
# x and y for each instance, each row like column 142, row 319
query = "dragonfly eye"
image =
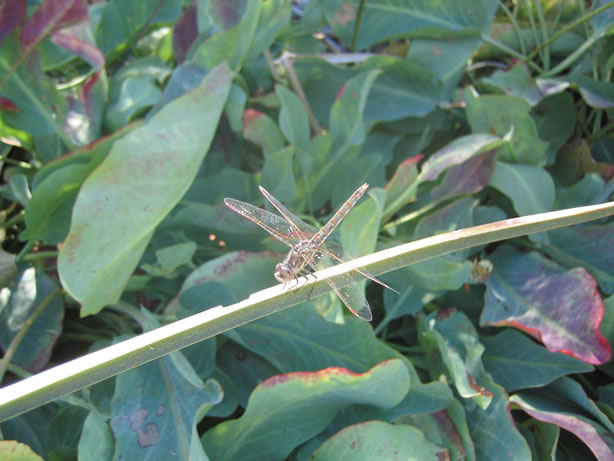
column 283, row 273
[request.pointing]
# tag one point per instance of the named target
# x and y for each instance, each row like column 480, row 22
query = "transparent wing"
column 300, row 227
column 335, row 252
column 273, row 224
column 350, row 293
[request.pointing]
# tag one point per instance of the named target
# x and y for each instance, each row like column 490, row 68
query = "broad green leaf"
column 412, row 296
column 493, row 430
column 438, row 429
column 516, row 81
column 156, row 407
column 379, row 440
column 589, row 246
column 19, row 301
column 231, row 45
column 515, row 362
column 278, row 175
column 112, row 225
column 459, row 352
column 300, row 339
column 499, row 115
column 286, row 410
column 133, row 97
column 96, row 440
column 530, row 188
column 11, row 450
column 597, row 94
column 556, row 117
column 260, row 129
column 41, row 109
column 559, row 307
column 293, row 119
column 49, row 211
column 402, row 187
column 388, row 19
column 565, row 404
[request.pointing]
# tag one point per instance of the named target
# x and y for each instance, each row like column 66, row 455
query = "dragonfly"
column 309, row 249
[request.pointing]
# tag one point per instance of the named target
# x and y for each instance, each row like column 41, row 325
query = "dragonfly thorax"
column 295, row 261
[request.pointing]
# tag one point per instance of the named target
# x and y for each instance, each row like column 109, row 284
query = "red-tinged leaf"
column 50, row 16
column 399, row 189
column 565, row 404
column 467, row 178
column 379, row 440
column 72, row 40
column 12, row 13
column 438, row 427
column 185, row 32
column 227, row 14
column 560, row 308
column 286, row 410
column 7, row 104
column 260, row 129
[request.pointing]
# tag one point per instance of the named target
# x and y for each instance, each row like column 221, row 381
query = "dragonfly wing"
column 300, row 227
column 335, row 252
column 273, row 224
column 346, row 288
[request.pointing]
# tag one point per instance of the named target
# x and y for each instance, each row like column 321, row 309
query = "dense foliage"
column 124, row 125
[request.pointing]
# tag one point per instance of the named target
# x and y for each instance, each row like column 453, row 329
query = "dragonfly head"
column 284, row 273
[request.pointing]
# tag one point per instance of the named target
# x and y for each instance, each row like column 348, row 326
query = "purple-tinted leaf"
column 563, row 309
column 185, row 32
column 12, row 12
column 72, row 40
column 467, row 178
column 565, row 404
column 50, row 16
column 227, row 14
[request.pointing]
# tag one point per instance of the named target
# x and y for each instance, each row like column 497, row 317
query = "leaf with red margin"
column 438, row 428
column 287, row 410
column 50, row 16
column 12, row 12
column 458, row 351
column 560, row 308
column 565, row 404
column 72, row 39
column 379, row 440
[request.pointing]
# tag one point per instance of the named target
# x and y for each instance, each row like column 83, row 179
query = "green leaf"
column 156, row 407
column 96, row 440
column 111, row 226
column 459, row 353
column 231, row 45
column 515, row 362
column 589, row 246
column 19, row 306
column 286, row 410
column 11, row 450
column 379, row 440
column 499, row 115
column 529, row 187
column 388, row 19
column 293, row 119
column 300, row 339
